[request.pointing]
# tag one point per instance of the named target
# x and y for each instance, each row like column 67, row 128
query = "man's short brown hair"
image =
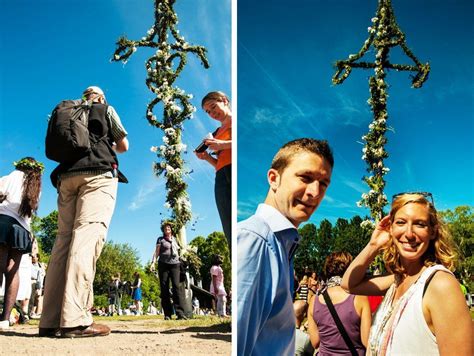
column 283, row 157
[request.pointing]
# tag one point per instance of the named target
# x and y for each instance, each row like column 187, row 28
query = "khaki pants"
column 85, row 207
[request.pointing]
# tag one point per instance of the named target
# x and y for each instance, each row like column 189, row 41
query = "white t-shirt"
column 12, row 186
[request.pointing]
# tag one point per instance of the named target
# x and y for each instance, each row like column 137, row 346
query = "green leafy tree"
column 350, row 236
column 341, row 235
column 115, row 258
column 150, row 289
column 306, row 254
column 101, row 301
column 199, row 245
column 215, row 243
column 359, row 236
column 194, row 264
column 461, row 225
column 35, row 229
column 45, row 230
column 324, row 243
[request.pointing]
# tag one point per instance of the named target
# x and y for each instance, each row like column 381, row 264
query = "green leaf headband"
column 29, row 164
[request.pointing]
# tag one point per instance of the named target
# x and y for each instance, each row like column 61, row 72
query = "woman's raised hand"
column 381, row 235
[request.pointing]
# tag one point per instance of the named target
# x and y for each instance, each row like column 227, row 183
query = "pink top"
column 218, row 274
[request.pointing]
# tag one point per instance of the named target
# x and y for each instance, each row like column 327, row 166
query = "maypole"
column 384, row 34
column 163, row 68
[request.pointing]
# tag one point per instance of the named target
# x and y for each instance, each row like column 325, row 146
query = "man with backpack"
column 87, row 188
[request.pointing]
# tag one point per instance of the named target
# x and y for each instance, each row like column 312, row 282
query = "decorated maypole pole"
column 163, row 68
column 384, row 34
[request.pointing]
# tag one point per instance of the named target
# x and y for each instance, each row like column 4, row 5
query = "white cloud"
column 335, row 203
column 284, row 94
column 145, row 194
column 268, row 116
column 357, row 186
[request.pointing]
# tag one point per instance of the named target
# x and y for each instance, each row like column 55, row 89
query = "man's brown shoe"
column 86, row 331
column 49, row 332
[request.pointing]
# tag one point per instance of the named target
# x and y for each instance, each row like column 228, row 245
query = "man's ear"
column 273, row 178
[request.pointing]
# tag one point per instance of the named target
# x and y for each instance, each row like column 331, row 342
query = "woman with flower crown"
column 19, row 197
column 423, row 311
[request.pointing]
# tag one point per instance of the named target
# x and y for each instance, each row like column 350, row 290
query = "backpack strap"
column 338, row 322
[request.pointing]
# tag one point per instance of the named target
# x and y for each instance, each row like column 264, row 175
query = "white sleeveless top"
column 401, row 329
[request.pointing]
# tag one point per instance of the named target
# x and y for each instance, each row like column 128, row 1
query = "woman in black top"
column 166, row 252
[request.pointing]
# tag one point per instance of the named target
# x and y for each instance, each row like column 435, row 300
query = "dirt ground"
column 140, row 337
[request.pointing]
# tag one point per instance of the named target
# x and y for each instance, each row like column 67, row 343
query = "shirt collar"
column 276, row 220
column 283, row 229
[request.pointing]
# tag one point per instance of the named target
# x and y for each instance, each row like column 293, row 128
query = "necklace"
column 389, row 313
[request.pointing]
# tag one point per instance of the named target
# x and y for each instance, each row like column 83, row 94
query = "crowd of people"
column 422, row 309
column 86, row 180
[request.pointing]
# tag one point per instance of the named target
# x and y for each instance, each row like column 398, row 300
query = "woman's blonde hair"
column 441, row 249
column 215, row 95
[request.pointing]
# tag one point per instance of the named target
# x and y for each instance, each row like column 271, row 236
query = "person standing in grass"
column 217, row 286
column 19, row 197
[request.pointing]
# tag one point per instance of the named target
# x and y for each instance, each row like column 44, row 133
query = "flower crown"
column 29, row 164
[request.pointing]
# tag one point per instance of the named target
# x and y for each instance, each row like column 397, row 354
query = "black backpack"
column 67, row 138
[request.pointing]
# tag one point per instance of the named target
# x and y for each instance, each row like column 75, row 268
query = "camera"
column 202, row 147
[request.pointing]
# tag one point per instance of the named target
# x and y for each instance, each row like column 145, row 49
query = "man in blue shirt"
column 299, row 176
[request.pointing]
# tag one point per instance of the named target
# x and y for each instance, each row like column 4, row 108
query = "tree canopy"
column 215, row 243
column 460, row 223
column 45, row 230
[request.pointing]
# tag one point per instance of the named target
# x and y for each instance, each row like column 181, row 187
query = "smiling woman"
column 217, row 106
column 423, row 311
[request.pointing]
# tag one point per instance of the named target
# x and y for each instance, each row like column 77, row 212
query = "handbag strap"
column 338, row 322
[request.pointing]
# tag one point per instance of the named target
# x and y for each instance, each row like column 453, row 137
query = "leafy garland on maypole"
column 163, row 68
column 383, row 35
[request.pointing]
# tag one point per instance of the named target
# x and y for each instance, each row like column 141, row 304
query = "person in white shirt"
column 19, row 197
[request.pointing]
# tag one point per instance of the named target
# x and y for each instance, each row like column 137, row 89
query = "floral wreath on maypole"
column 163, row 68
column 384, row 33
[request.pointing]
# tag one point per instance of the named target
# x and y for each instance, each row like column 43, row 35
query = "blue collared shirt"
column 265, row 318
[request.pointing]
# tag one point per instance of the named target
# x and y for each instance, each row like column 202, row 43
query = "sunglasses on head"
column 427, row 195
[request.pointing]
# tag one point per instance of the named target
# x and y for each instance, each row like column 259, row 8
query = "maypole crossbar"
column 384, row 34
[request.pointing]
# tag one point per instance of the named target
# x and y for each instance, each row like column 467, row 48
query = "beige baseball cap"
column 90, row 91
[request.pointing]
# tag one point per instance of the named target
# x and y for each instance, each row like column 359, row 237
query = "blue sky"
column 285, row 57
column 53, row 50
